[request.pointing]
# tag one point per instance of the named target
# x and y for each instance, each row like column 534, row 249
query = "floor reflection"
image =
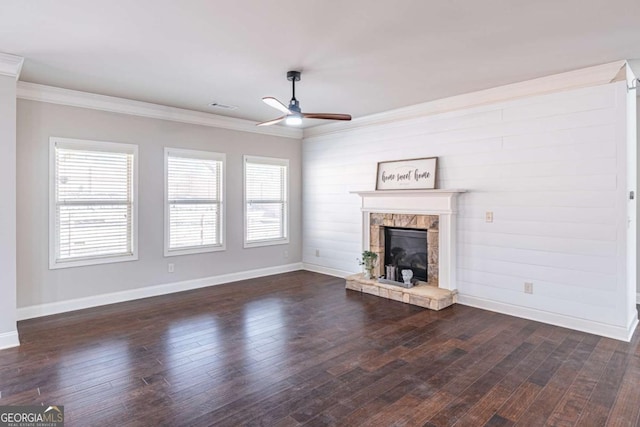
column 93, row 377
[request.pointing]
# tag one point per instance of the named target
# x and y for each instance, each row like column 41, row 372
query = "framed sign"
column 412, row 174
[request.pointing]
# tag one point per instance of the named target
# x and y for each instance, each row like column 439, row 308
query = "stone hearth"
column 422, row 295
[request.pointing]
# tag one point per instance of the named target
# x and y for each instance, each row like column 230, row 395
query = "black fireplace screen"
column 406, row 249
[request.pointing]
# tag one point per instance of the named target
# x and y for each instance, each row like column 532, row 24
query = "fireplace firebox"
column 406, row 249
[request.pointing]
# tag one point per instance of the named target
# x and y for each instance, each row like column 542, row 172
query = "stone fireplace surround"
column 431, row 210
column 429, row 223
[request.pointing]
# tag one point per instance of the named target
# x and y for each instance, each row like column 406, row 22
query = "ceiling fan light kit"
column 293, row 120
column 293, row 114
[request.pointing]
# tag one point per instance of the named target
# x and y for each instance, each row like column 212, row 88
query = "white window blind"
column 194, row 182
column 266, row 193
column 93, row 212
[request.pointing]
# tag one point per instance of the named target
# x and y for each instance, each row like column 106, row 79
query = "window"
column 193, row 202
column 266, row 201
column 93, row 209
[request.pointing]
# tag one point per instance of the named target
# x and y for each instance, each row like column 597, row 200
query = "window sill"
column 55, row 265
column 191, row 251
column 258, row 244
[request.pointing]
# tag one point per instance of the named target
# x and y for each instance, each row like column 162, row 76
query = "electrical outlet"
column 488, row 216
column 317, row 252
column 528, row 287
column 171, row 267
column 286, row 254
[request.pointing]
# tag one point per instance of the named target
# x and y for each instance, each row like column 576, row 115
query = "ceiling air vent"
column 223, row 106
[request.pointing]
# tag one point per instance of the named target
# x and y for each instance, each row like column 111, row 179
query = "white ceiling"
column 357, row 56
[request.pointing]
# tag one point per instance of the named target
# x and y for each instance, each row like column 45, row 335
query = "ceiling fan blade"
column 272, row 122
column 327, row 116
column 272, row 102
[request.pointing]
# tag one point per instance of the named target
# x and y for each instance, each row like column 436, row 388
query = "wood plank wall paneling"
column 548, row 167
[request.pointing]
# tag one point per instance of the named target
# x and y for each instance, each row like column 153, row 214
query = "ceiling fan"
column 292, row 114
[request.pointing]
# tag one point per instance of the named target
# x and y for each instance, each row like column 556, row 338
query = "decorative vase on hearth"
column 369, row 263
column 407, row 275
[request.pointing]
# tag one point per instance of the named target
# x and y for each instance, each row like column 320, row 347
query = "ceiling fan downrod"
column 293, row 77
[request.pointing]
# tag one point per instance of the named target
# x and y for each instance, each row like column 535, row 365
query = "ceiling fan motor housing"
column 294, row 106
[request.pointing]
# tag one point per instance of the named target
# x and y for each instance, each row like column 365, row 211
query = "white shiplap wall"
column 551, row 168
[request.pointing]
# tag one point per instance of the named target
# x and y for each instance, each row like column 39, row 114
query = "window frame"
column 99, row 146
column 272, row 161
column 195, row 154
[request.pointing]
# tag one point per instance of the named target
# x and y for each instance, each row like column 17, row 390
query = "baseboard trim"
column 326, row 270
column 48, row 309
column 597, row 328
column 9, row 339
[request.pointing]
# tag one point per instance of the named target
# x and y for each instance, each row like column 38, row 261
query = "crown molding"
column 634, row 73
column 74, row 98
column 592, row 76
column 10, row 65
column 634, row 64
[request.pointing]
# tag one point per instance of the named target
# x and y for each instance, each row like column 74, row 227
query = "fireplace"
column 406, row 249
column 416, row 234
column 429, row 211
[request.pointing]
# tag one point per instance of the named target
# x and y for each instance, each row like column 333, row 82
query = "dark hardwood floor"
column 298, row 348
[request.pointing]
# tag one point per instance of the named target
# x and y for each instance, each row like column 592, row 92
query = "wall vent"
column 223, row 106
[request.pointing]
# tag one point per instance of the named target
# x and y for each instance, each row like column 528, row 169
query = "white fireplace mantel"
column 419, row 202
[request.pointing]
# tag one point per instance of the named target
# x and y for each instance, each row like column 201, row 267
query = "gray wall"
column 8, row 211
column 38, row 121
